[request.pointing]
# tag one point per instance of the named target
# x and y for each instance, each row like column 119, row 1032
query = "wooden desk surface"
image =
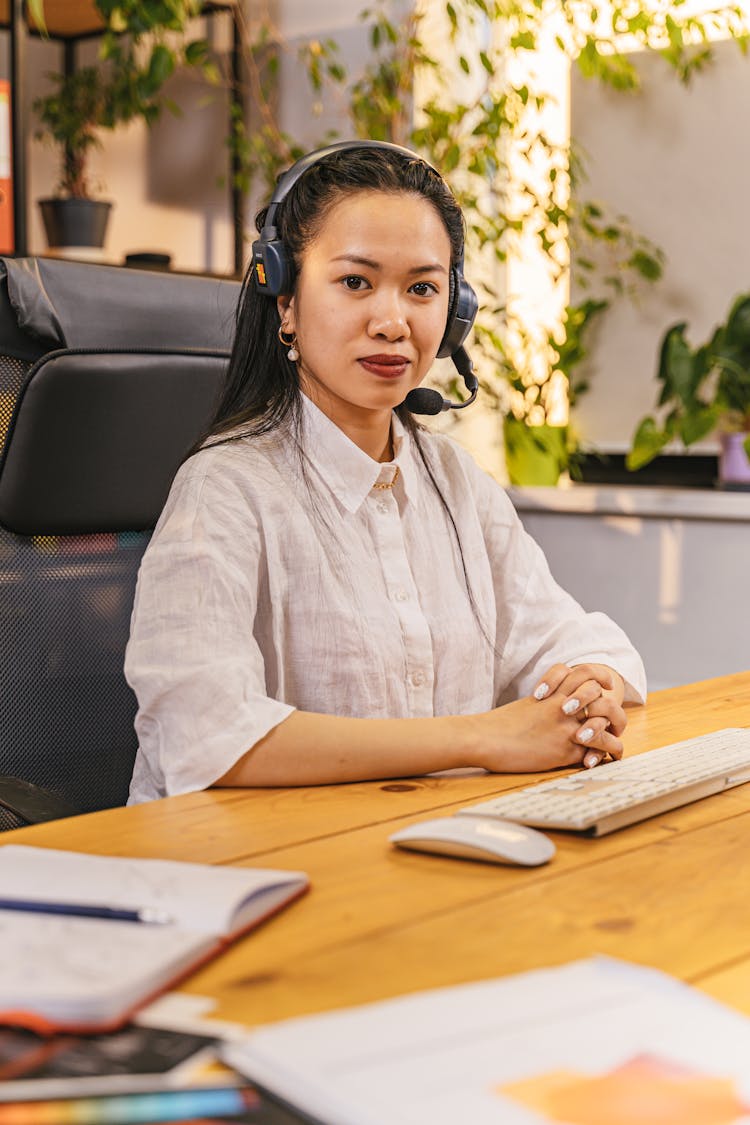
column 671, row 892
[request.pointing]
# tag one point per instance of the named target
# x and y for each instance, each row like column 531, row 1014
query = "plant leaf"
column 738, row 322
column 648, row 266
column 36, row 11
column 698, row 423
column 680, row 368
column 196, row 52
column 160, row 67
column 648, row 441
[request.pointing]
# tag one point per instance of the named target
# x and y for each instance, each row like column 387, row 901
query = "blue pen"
column 80, row 910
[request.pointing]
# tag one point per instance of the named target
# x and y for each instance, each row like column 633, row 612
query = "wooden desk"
column 671, row 892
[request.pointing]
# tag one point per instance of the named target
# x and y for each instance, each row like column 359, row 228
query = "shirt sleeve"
column 539, row 623
column 192, row 659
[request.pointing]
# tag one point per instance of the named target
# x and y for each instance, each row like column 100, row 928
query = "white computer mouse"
column 476, row 837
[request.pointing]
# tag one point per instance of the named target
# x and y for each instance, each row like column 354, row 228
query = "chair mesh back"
column 12, row 373
column 9, row 820
column 66, row 711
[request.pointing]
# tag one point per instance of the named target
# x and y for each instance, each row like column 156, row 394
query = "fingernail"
column 571, row 706
column 585, row 735
column 591, row 760
column 541, row 691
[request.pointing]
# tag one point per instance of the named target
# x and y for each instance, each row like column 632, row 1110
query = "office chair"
column 107, row 377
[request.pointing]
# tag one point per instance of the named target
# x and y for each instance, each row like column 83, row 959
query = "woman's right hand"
column 531, row 735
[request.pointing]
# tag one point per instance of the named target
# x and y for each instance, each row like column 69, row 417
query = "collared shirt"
column 278, row 579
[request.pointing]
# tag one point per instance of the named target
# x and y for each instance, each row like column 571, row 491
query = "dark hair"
column 262, row 388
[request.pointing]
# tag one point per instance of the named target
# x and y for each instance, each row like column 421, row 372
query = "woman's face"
column 370, row 305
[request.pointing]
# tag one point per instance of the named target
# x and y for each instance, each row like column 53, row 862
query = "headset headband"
column 288, row 179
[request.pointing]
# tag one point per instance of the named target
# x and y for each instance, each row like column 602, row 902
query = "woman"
column 333, row 593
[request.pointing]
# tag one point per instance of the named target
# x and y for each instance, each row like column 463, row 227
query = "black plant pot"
column 75, row 222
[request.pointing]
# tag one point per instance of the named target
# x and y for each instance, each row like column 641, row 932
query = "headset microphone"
column 424, row 400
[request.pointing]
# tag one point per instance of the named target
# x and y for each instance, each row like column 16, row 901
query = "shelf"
column 77, row 19
column 68, row 21
column 637, row 500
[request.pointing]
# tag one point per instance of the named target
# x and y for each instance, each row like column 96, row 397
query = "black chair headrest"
column 80, row 305
column 126, row 384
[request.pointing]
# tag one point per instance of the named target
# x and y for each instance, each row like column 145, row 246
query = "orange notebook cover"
column 151, row 922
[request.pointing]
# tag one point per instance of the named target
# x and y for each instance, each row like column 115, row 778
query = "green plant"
column 533, row 383
column 69, row 117
column 534, row 375
column 143, row 42
column 702, row 389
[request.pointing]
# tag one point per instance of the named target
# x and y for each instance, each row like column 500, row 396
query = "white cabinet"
column 671, row 566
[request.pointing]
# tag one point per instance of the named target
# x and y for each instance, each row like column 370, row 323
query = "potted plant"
column 704, row 390
column 70, row 116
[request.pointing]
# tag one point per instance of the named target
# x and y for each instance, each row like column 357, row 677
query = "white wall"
column 318, row 17
column 677, row 162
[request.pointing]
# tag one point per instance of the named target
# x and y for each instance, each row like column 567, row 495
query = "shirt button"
column 417, row 678
column 382, row 507
column 401, row 595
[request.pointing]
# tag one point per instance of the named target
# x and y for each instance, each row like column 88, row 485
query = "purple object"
column 734, row 466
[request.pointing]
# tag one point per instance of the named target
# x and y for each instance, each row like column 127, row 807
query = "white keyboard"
column 607, row 797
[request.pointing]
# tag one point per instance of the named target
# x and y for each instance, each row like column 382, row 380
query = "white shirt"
column 267, row 588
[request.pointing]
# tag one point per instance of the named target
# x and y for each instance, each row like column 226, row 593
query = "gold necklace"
column 385, row 485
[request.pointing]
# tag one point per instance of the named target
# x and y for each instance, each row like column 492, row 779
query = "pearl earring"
column 293, row 353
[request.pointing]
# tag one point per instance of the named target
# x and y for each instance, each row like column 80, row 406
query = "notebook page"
column 84, row 968
column 195, row 896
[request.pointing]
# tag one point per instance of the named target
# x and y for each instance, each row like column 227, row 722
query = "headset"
column 274, row 271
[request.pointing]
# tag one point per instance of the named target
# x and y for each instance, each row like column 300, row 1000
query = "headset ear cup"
column 273, row 268
column 442, row 351
column 462, row 311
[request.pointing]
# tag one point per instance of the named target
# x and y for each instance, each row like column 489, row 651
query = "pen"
column 81, row 910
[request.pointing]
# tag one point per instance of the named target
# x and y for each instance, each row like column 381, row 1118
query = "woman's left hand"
column 593, row 693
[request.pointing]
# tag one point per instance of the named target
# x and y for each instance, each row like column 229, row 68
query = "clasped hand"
column 574, row 716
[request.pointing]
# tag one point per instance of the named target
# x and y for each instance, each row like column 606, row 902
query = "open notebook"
column 62, row 972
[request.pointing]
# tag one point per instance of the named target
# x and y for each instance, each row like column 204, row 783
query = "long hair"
column 262, row 390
